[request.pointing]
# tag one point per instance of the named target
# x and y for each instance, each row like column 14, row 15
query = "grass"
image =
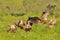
column 38, row 32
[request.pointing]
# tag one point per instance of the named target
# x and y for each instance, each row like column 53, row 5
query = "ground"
column 39, row 31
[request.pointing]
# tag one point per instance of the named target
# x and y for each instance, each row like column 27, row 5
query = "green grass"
column 39, row 31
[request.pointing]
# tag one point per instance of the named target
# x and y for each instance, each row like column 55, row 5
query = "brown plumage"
column 52, row 22
column 43, row 18
column 11, row 28
column 28, row 26
column 23, row 25
column 33, row 19
column 20, row 24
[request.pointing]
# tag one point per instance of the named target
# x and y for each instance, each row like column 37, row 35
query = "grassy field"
column 30, row 8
